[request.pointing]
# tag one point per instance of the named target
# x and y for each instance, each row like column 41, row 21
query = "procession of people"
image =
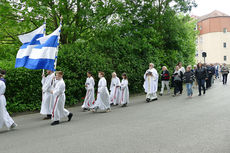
column 53, row 89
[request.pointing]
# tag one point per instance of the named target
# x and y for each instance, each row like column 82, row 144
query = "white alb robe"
column 89, row 98
column 59, row 111
column 102, row 101
column 151, row 83
column 47, row 96
column 5, row 118
column 124, row 98
column 115, row 90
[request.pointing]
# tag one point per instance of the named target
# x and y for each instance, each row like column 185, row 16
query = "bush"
column 23, row 90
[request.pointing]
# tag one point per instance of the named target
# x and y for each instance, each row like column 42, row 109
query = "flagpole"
column 43, row 71
column 56, row 56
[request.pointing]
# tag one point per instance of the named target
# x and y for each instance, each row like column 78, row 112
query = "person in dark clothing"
column 188, row 78
column 213, row 73
column 164, row 80
column 177, row 80
column 210, row 74
column 201, row 76
column 182, row 69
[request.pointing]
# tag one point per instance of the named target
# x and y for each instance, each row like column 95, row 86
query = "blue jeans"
column 189, row 89
column 217, row 73
column 201, row 85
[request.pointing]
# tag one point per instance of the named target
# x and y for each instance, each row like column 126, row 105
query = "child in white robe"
column 89, row 98
column 124, row 98
column 114, row 89
column 5, row 118
column 59, row 111
column 151, row 83
column 102, row 103
column 47, row 96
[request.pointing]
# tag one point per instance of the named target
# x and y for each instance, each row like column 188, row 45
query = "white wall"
column 212, row 44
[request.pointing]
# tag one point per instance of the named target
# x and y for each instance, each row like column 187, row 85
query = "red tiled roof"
column 213, row 14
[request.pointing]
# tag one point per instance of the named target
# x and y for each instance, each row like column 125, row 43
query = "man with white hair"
column 225, row 72
column 151, row 83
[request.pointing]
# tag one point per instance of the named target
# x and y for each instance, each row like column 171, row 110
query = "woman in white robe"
column 47, row 96
column 5, row 119
column 102, row 103
column 89, row 98
column 151, row 83
column 114, row 89
column 124, row 98
column 59, row 110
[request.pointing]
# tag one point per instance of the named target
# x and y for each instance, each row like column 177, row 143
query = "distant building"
column 214, row 38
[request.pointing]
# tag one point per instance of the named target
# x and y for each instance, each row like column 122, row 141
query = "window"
column 225, row 30
column 225, row 58
column 225, row 45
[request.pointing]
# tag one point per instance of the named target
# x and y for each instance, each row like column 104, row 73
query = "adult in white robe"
column 124, row 98
column 151, row 83
column 114, row 89
column 102, row 103
column 59, row 111
column 47, row 96
column 5, row 119
column 89, row 98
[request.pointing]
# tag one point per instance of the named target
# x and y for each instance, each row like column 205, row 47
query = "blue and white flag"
column 29, row 41
column 43, row 56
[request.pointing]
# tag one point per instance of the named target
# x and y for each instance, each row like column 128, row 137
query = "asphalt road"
column 170, row 125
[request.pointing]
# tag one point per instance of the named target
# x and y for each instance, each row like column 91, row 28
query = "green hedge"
column 23, row 90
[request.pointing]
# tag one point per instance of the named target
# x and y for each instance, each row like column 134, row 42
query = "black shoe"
column 70, row 116
column 155, row 99
column 55, row 123
column 124, row 105
column 48, row 117
column 85, row 109
column 161, row 94
column 13, row 126
column 147, row 100
column 199, row 95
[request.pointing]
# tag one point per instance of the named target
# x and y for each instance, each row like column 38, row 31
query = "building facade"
column 214, row 38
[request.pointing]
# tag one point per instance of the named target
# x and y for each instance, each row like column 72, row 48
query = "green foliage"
column 23, row 91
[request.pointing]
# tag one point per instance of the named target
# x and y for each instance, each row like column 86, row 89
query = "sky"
column 207, row 6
